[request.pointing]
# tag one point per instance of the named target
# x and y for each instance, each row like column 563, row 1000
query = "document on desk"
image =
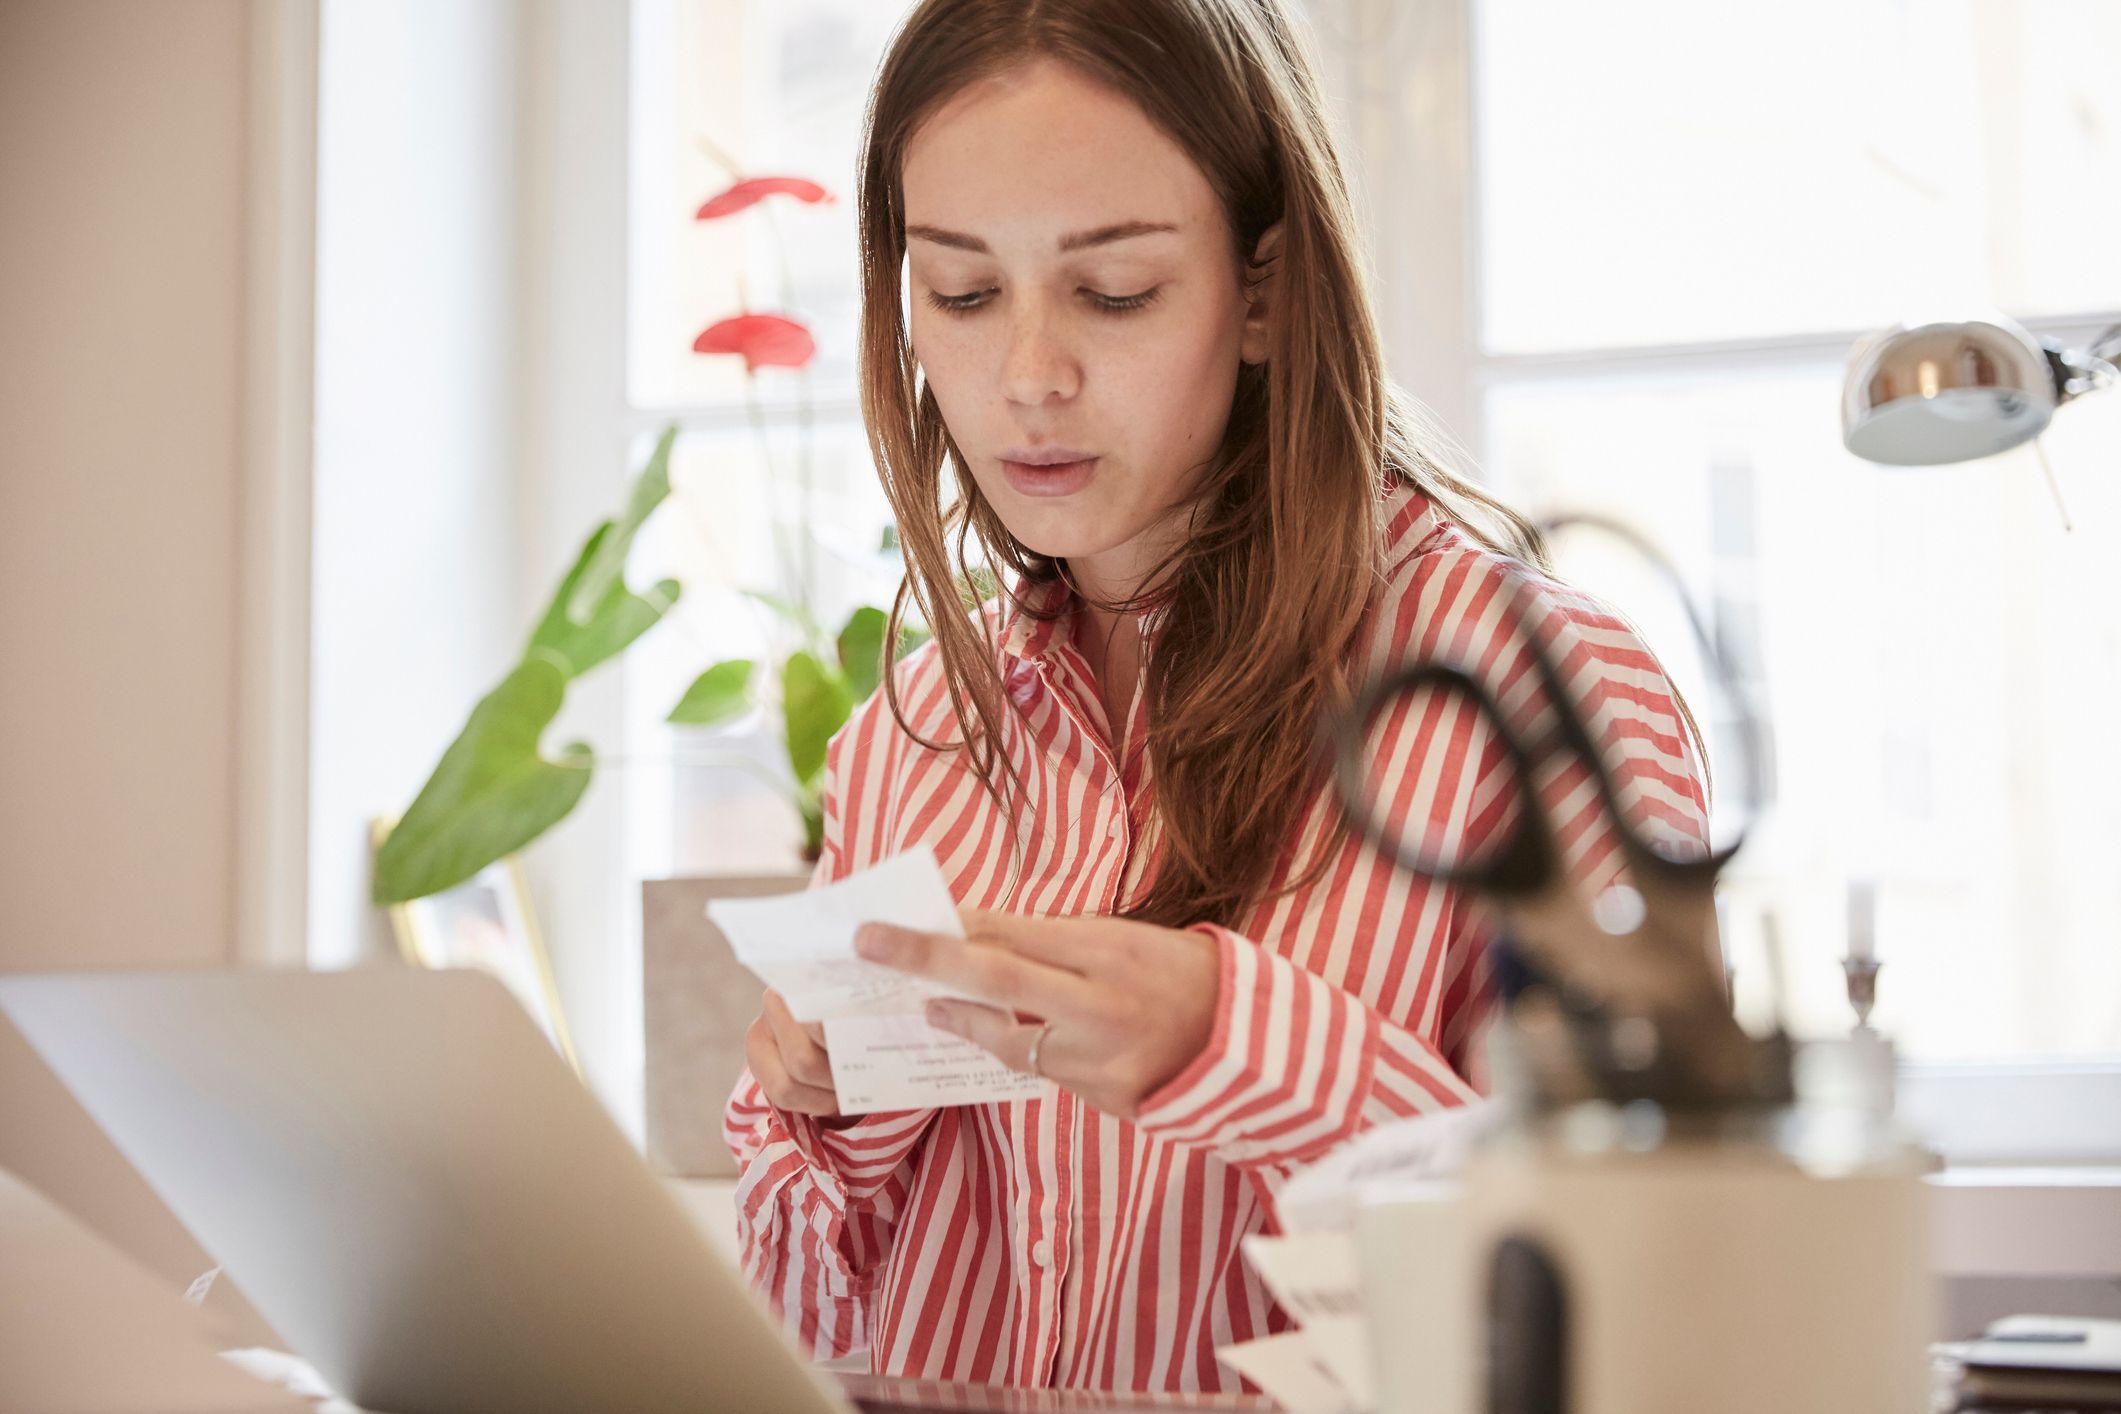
column 1288, row 1369
column 1316, row 1278
column 1431, row 1147
column 884, row 1055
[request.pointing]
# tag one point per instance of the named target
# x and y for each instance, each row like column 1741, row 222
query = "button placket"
column 1100, row 749
column 1050, row 1253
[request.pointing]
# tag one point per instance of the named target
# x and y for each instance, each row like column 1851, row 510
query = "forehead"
column 1042, row 150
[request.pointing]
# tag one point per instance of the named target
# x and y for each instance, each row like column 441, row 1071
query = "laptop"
column 409, row 1183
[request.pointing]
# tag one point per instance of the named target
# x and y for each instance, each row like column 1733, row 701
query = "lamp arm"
column 2076, row 374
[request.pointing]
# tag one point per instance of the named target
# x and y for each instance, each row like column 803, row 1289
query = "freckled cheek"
column 1180, row 387
column 950, row 357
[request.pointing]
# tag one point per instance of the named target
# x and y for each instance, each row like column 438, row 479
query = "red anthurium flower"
column 763, row 339
column 756, row 189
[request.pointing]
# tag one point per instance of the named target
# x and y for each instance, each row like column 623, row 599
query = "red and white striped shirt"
column 1042, row 1242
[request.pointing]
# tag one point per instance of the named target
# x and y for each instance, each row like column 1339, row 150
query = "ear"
column 1259, row 285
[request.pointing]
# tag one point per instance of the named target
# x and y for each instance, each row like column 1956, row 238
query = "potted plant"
column 496, row 789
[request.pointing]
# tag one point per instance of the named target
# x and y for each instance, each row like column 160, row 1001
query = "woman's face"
column 1074, row 291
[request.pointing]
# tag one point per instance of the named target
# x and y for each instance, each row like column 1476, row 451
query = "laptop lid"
column 414, row 1189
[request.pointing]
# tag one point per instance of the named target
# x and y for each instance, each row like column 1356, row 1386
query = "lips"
column 1051, row 478
column 1045, row 456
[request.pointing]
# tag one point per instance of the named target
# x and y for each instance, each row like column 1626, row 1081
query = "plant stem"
column 773, row 497
column 806, row 566
column 718, row 157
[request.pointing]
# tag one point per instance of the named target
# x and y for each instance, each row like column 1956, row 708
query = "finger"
column 762, row 1051
column 804, row 1059
column 997, row 1031
column 815, row 1030
column 989, row 974
column 776, row 1009
column 1057, row 942
column 802, row 1099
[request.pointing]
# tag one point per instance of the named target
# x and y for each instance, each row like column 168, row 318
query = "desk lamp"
column 1928, row 394
column 1931, row 394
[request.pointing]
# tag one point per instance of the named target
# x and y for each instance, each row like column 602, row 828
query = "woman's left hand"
column 1126, row 1005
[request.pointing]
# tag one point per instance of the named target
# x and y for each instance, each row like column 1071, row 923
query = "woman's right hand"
column 788, row 1060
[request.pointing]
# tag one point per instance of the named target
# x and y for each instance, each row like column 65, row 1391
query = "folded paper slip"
column 884, row 1055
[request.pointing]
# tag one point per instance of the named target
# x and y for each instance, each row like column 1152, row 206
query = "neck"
column 1122, row 573
column 1099, row 627
column 1110, row 642
column 1111, row 636
column 1100, row 585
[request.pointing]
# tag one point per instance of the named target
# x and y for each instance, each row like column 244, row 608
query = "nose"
column 1038, row 363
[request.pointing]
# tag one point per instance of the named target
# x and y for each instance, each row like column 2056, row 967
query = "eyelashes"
column 1107, row 304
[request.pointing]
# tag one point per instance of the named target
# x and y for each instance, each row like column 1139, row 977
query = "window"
column 1682, row 213
column 777, row 87
column 1659, row 172
column 1624, row 251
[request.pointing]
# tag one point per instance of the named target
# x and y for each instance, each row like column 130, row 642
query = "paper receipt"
column 884, row 1055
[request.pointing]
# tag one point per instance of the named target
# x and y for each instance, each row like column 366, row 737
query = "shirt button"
column 1113, row 828
column 1042, row 1252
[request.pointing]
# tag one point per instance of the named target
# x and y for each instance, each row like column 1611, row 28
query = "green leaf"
column 715, row 695
column 815, row 703
column 614, row 623
column 810, row 804
column 607, row 567
column 490, row 794
column 862, row 651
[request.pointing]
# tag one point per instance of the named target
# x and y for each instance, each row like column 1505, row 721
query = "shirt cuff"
column 852, row 1149
column 1286, row 1071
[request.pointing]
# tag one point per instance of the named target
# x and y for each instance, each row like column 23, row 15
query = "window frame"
column 1405, row 99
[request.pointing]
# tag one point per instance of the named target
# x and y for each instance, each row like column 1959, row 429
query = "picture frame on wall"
column 486, row 923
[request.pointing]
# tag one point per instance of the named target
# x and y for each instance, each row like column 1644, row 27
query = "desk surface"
column 876, row 1395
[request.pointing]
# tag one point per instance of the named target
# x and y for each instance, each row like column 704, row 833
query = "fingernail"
column 872, row 942
column 938, row 1016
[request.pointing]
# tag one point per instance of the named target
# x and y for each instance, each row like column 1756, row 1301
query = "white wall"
column 129, row 306
column 195, row 740
column 415, row 614
column 122, row 160
column 176, row 714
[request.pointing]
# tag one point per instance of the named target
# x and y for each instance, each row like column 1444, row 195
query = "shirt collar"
column 1035, row 619
column 1030, row 617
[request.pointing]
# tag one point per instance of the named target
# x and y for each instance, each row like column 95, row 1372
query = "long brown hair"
column 1263, row 601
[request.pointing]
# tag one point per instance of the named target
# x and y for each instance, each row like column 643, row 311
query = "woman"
column 1140, row 340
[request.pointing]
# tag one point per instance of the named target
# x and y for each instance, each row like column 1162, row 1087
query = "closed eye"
column 1109, row 304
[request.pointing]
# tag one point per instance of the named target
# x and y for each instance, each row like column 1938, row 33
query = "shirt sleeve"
column 817, row 1201
column 1296, row 1065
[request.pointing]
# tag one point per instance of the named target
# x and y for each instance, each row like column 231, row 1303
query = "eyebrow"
column 1074, row 240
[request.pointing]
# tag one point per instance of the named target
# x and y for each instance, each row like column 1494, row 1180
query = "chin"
column 1057, row 533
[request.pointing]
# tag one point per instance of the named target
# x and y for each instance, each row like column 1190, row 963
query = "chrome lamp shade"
column 1928, row 394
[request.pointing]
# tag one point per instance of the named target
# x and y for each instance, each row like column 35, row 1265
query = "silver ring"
column 1031, row 1060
